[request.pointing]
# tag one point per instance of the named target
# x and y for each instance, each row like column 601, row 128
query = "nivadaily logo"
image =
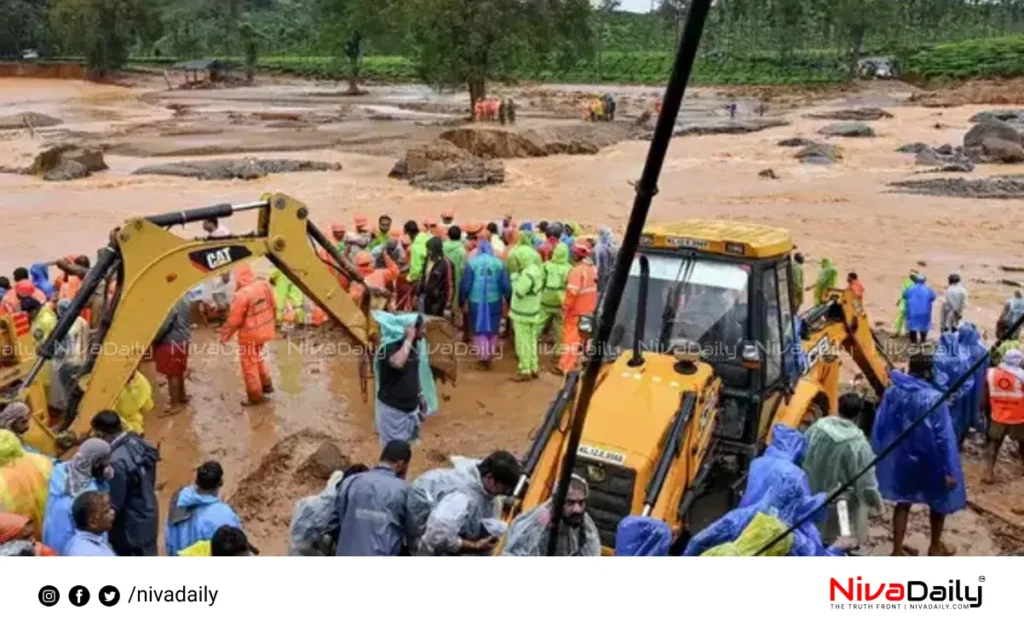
column 912, row 594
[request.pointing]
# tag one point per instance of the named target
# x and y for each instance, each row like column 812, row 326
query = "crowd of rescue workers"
column 497, row 280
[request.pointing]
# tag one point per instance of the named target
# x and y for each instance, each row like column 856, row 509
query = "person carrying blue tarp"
column 951, row 362
column 925, row 467
column 970, row 344
column 406, row 393
column 777, row 496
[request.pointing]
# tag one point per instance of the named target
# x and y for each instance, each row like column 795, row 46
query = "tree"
column 101, row 30
column 605, row 9
column 22, row 26
column 468, row 42
column 348, row 24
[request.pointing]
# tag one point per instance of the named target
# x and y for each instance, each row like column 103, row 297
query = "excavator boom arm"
column 158, row 268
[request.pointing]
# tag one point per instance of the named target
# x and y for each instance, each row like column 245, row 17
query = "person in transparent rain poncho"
column 530, row 533
column 453, row 511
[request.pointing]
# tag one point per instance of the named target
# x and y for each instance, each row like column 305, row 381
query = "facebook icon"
column 79, row 596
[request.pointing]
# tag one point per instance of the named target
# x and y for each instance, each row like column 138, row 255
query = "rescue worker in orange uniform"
column 580, row 300
column 447, row 221
column 360, row 240
column 252, row 317
column 338, row 233
column 23, row 287
column 1005, row 388
column 379, row 278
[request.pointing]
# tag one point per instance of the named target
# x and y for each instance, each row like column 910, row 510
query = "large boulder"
column 1006, row 116
column 584, row 138
column 796, row 141
column 853, row 129
column 997, row 150
column 820, row 154
column 929, row 157
column 66, row 170
column 52, row 158
column 990, row 129
column 441, row 166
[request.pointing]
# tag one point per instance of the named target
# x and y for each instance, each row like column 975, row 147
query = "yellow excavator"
column 152, row 269
column 705, row 354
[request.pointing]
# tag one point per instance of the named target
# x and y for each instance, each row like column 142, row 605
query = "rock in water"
column 913, row 148
column 729, row 126
column 991, row 129
column 91, row 158
column 67, row 170
column 928, row 157
column 441, row 166
column 853, row 114
column 228, row 169
column 795, row 141
column 820, row 154
column 998, row 150
column 847, row 129
column 768, row 173
column 964, row 166
column 999, row 187
column 1008, row 116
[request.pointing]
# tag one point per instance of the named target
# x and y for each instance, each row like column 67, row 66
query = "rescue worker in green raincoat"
column 287, row 294
column 525, row 312
column 556, row 278
column 901, row 305
column 455, row 251
column 826, row 279
column 523, row 255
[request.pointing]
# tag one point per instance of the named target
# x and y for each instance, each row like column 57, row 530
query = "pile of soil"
column 585, row 138
column 27, row 120
column 229, row 169
column 265, row 498
column 853, row 114
column 441, row 166
column 66, row 162
column 1001, row 187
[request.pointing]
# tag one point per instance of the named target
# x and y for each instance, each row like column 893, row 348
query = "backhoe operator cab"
column 718, row 293
column 703, row 359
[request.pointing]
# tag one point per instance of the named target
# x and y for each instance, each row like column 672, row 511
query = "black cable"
column 957, row 384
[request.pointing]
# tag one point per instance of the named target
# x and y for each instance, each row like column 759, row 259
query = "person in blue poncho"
column 196, row 512
column 485, row 284
column 777, row 487
column 919, row 299
column 952, row 362
column 41, row 279
column 970, row 344
column 88, row 470
column 925, row 468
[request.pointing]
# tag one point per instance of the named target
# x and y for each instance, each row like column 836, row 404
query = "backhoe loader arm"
column 156, row 268
column 847, row 325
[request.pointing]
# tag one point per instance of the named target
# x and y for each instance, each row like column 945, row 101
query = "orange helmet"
column 448, row 215
column 473, row 227
column 361, row 222
column 580, row 249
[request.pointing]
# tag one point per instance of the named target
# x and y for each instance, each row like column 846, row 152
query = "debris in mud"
column 322, row 463
column 728, row 127
column 851, row 130
column 441, row 166
column 565, row 139
column 228, row 169
column 1011, row 269
column 796, row 141
column 946, row 158
column 27, row 120
column 998, row 187
column 853, row 114
column 913, row 148
column 965, row 167
column 820, row 154
column 768, row 173
column 66, row 162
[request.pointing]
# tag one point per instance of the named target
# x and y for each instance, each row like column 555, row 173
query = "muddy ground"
column 846, row 211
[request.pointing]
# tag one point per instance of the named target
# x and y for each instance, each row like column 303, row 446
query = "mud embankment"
column 43, row 70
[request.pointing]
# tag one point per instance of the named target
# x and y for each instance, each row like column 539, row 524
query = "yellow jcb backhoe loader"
column 705, row 355
column 153, row 269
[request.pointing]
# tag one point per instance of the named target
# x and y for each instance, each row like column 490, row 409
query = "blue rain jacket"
column 194, row 517
column 970, row 343
column 919, row 298
column 484, row 284
column 952, row 362
column 916, row 471
column 58, row 524
column 777, row 486
column 40, row 277
column 642, row 536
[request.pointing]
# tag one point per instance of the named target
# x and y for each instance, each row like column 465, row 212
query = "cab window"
column 790, row 353
column 772, row 327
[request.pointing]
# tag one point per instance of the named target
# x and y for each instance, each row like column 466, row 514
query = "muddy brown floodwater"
column 843, row 211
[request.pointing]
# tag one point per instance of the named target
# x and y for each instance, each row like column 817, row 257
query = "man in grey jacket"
column 369, row 514
column 954, row 304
